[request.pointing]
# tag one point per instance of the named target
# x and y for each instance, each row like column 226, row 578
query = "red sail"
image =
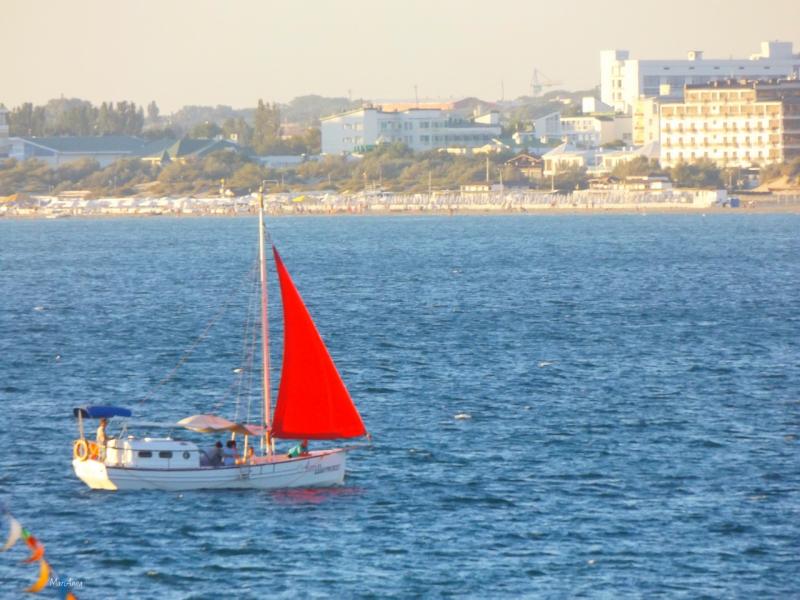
column 313, row 401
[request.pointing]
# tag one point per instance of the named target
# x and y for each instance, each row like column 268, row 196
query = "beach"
column 503, row 203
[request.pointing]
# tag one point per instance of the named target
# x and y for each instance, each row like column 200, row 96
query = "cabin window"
column 186, row 455
column 165, row 454
column 145, row 454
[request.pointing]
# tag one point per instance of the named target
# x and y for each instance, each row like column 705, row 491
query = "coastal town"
column 422, row 300
column 691, row 133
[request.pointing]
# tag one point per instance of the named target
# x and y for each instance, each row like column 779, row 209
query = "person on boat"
column 212, row 457
column 229, row 454
column 101, row 438
column 300, row 449
column 216, row 455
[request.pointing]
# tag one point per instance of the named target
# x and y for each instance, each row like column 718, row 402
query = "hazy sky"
column 233, row 52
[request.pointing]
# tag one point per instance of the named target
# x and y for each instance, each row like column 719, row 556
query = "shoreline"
column 585, row 202
column 544, row 211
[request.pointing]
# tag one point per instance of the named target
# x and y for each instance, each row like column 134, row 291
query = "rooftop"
column 744, row 84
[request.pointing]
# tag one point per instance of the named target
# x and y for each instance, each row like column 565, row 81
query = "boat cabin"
column 152, row 453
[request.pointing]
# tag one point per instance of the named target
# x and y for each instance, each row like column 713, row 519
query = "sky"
column 233, row 52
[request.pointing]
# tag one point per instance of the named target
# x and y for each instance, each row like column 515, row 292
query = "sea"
column 561, row 406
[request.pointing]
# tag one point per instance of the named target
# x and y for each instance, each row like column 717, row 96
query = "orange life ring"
column 80, row 450
column 94, row 451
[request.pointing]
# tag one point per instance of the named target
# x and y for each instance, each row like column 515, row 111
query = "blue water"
column 633, row 384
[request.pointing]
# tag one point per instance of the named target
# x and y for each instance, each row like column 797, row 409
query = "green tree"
column 66, row 176
column 792, row 170
column 266, row 128
column 701, row 174
column 106, row 119
column 769, row 173
column 25, row 176
column 571, row 179
column 27, row 120
column 639, row 166
column 160, row 133
column 238, row 130
column 222, row 164
column 249, row 176
column 183, row 178
column 205, row 130
column 152, row 113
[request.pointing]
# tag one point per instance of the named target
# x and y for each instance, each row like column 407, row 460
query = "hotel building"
column 733, row 123
column 623, row 80
column 420, row 129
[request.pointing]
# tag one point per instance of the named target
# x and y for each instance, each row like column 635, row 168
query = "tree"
column 160, row 133
column 249, row 177
column 770, row 172
column 701, row 174
column 792, row 170
column 152, row 113
column 27, row 120
column 570, row 179
column 105, row 124
column 238, row 130
column 266, row 128
column 25, row 176
column 638, row 166
column 205, row 130
column 182, row 178
column 222, row 164
column 70, row 117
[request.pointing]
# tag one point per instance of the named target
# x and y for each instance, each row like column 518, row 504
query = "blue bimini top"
column 101, row 412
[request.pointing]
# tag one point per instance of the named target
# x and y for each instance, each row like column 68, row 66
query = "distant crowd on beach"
column 515, row 201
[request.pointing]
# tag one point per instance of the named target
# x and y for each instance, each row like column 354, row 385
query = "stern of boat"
column 93, row 473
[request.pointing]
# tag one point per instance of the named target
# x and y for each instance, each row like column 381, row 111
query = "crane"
column 539, row 81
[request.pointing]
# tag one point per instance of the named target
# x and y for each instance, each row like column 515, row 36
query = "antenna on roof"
column 416, row 96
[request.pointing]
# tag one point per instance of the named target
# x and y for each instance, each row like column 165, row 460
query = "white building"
column 733, row 123
column 3, row 132
column 547, row 126
column 623, row 80
column 608, row 161
column 566, row 157
column 595, row 130
column 420, row 129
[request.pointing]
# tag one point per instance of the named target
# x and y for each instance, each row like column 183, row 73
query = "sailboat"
column 313, row 403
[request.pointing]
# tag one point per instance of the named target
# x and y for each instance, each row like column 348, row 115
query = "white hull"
column 323, row 468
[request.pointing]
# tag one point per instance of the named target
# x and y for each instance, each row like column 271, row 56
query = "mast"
column 264, row 323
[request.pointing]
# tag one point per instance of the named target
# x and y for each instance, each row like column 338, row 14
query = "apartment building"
column 733, row 123
column 645, row 122
column 595, row 130
column 418, row 128
column 623, row 79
